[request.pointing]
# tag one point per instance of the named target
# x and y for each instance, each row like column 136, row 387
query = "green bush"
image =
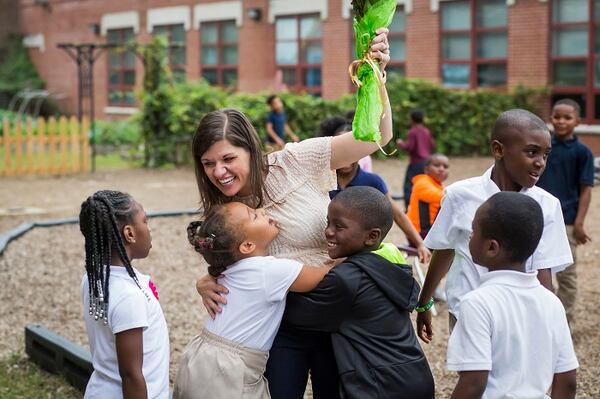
column 126, row 132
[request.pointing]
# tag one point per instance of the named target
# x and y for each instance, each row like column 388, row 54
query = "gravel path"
column 40, row 272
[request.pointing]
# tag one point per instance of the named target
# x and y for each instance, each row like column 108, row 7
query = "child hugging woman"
column 228, row 358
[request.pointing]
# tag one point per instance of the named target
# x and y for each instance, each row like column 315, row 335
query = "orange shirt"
column 424, row 202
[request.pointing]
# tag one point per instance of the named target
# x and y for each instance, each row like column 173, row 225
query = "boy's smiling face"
column 564, row 119
column 345, row 233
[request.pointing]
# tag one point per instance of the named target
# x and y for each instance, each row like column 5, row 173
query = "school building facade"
column 306, row 45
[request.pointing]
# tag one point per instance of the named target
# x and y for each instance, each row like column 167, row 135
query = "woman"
column 292, row 185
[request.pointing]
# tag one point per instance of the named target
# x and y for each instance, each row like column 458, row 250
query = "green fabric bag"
column 369, row 15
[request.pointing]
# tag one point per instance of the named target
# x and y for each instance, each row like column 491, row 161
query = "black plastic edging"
column 23, row 228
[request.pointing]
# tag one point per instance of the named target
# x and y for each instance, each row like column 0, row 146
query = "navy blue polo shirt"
column 363, row 178
column 277, row 119
column 570, row 165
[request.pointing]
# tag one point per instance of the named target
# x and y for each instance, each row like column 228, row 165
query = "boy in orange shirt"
column 427, row 193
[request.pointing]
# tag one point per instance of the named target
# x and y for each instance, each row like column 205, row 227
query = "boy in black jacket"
column 365, row 302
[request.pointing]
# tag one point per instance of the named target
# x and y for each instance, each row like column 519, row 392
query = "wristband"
column 424, row 308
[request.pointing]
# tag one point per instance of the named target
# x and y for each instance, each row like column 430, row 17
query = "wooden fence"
column 45, row 147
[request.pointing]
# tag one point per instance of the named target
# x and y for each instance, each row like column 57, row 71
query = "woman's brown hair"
column 233, row 126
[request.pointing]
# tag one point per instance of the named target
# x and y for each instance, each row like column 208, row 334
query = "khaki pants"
column 215, row 368
column 567, row 280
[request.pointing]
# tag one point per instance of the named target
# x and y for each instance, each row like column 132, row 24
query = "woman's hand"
column 212, row 294
column 380, row 48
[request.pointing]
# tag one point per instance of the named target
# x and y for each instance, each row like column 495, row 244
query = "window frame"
column 122, row 69
column 589, row 91
column 473, row 33
column 219, row 67
column 301, row 66
column 175, row 68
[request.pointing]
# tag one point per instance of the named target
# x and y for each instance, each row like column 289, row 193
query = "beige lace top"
column 298, row 182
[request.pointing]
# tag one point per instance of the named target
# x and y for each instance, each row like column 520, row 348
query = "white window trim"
column 120, row 110
column 169, row 16
column 435, row 4
column 220, row 11
column 279, row 8
column 347, row 6
column 120, row 20
column 35, row 40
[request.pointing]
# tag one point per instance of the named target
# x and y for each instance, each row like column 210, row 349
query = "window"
column 474, row 43
column 175, row 35
column 298, row 52
column 575, row 67
column 219, row 52
column 121, row 69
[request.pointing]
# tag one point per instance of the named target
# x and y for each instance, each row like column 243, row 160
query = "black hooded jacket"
column 365, row 302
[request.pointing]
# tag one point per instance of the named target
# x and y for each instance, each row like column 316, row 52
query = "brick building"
column 307, row 45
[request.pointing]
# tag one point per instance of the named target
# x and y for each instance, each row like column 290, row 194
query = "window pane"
column 208, row 33
column 114, row 97
column 489, row 75
column 178, row 34
column 289, row 76
column 578, row 98
column 311, row 53
column 312, row 77
column 129, row 98
column 229, row 55
column 286, row 28
column 178, row 55
column 130, row 59
column 597, row 40
column 229, row 32
column 159, row 30
column 209, row 56
column 456, row 15
column 491, row 13
column 492, row 45
column 456, row 47
column 596, row 108
column 570, row 42
column 455, row 75
column 230, row 77
column 398, row 23
column 310, row 27
column 597, row 73
column 570, row 10
column 569, row 73
column 114, row 59
column 597, row 10
column 129, row 78
column 129, row 36
column 397, row 49
column 210, row 75
column 286, row 53
column 112, row 36
column 179, row 75
column 114, row 78
column 395, row 69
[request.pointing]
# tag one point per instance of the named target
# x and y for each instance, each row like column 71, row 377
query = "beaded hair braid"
column 101, row 219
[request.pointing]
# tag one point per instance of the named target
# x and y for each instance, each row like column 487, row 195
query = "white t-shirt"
column 452, row 230
column 129, row 307
column 256, row 300
column 515, row 328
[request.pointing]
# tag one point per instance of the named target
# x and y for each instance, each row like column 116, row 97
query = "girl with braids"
column 125, row 324
column 228, row 358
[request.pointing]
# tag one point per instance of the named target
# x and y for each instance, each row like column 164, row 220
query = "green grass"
column 23, row 379
column 113, row 161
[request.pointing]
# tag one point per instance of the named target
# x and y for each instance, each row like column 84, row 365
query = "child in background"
column 569, row 176
column 427, row 193
column 419, row 144
column 277, row 126
column 365, row 302
column 125, row 324
column 353, row 175
column 228, row 359
column 512, row 339
column 520, row 143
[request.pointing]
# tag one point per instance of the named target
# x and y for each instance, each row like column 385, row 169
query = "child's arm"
column 309, row 278
column 290, row 133
column 130, row 356
column 585, row 197
column 545, row 278
column 273, row 135
column 409, row 230
column 564, row 385
column 441, row 260
column 471, row 384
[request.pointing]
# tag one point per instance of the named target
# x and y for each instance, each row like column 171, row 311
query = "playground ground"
column 41, row 271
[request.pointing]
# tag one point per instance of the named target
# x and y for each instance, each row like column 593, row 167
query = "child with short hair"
column 419, row 144
column 512, row 339
column 427, row 193
column 125, row 324
column 277, row 127
column 228, row 358
column 569, row 176
column 520, row 143
column 365, row 302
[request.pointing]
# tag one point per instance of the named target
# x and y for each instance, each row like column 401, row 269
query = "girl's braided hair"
column 101, row 221
column 217, row 239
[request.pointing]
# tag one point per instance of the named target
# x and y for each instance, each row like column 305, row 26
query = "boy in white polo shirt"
column 512, row 339
column 520, row 144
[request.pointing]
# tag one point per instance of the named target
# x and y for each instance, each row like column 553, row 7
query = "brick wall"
column 9, row 18
column 336, row 52
column 423, row 42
